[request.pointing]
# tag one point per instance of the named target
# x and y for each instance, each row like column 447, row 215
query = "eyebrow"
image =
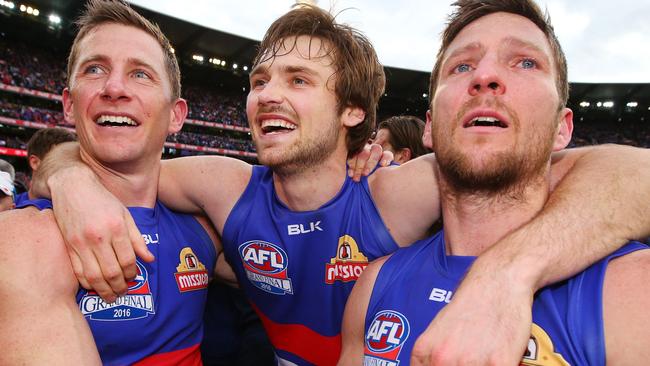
column 289, row 69
column 516, row 42
column 131, row 60
column 471, row 47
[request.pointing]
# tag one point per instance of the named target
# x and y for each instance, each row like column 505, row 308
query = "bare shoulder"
column 421, row 168
column 18, row 226
column 33, row 253
column 407, row 198
column 626, row 300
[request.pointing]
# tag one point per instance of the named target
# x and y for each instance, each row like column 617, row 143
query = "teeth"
column 278, row 123
column 121, row 120
column 486, row 119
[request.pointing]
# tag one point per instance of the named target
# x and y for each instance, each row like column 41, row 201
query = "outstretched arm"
column 601, row 201
column 103, row 243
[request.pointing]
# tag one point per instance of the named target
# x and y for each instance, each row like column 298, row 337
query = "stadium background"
column 214, row 67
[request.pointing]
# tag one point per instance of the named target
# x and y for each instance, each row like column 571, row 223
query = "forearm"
column 601, row 203
column 62, row 159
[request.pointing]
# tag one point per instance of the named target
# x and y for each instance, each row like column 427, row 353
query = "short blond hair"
column 100, row 12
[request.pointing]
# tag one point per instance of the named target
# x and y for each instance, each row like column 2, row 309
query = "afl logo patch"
column 266, row 266
column 388, row 332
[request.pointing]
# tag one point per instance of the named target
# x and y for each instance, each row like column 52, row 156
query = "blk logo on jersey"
column 385, row 337
column 266, row 266
column 151, row 238
column 190, row 273
column 297, row 229
column 348, row 264
column 136, row 304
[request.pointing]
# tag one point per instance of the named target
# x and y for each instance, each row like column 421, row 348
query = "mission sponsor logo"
column 348, row 264
column 190, row 273
column 266, row 266
column 136, row 304
column 385, row 338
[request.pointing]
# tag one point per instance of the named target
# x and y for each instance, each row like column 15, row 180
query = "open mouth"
column 485, row 122
column 275, row 126
column 115, row 121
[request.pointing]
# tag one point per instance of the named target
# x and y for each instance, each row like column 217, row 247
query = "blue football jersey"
column 298, row 268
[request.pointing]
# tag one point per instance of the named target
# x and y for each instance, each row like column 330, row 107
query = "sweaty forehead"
column 121, row 41
column 503, row 30
column 304, row 47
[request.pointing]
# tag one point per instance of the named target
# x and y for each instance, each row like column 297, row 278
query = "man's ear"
column 426, row 136
column 67, row 107
column 564, row 129
column 403, row 155
column 177, row 115
column 34, row 162
column 353, row 116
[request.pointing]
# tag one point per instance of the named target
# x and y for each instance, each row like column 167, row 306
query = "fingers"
column 77, row 268
column 387, row 157
column 373, row 159
column 136, row 241
column 93, row 275
column 360, row 163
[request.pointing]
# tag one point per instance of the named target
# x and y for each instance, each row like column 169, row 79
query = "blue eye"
column 141, row 75
column 462, row 68
column 93, row 69
column 528, row 63
column 299, row 81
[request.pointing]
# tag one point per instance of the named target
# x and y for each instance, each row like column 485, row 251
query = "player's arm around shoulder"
column 626, row 300
column 210, row 184
column 39, row 317
column 407, row 198
column 354, row 316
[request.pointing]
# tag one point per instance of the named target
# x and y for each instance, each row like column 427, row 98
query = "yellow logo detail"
column 348, row 250
column 540, row 350
column 189, row 261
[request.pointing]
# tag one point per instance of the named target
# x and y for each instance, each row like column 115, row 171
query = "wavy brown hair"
column 359, row 77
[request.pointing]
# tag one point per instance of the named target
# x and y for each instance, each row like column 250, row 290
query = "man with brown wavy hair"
column 403, row 136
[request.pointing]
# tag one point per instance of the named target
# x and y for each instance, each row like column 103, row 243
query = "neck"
column 473, row 222
column 135, row 184
column 310, row 188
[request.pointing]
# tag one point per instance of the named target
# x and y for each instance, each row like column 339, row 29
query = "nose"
column 487, row 79
column 115, row 87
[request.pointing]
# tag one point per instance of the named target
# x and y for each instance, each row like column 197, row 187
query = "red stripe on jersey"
column 190, row 356
column 302, row 341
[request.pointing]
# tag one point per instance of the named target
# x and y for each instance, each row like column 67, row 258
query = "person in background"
column 41, row 142
column 402, row 135
column 7, row 191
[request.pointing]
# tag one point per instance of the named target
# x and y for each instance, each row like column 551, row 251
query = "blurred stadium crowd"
column 32, row 79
